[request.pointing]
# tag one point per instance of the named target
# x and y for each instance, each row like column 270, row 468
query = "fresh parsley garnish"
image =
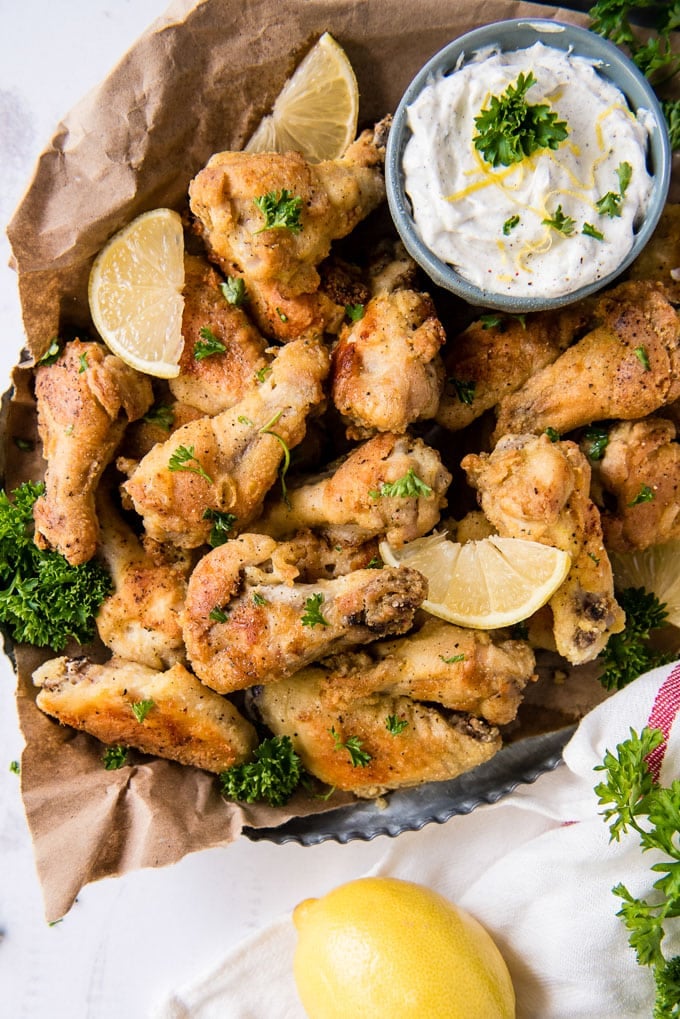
column 354, row 312
column 259, row 599
column 375, row 563
column 15, row 767
column 558, row 221
column 646, row 494
column 510, row 129
column 609, row 204
column 282, row 315
column 218, row 615
column 222, row 526
column 262, row 373
column 359, row 758
column 452, row 659
column 161, row 415
column 590, row 231
column 635, row 800
column 313, row 616
column 281, row 211
column 268, row 430
column 624, row 171
column 185, row 459
column 552, row 434
column 510, row 224
column 44, row 600
column 596, row 440
column 272, row 777
column 395, row 725
column 628, row 654
column 465, row 391
column 115, row 757
column 52, row 353
column 208, row 344
column 25, row 445
column 234, row 290
column 643, row 357
column 491, row 321
column 141, row 709
column 82, row 363
column 410, row 486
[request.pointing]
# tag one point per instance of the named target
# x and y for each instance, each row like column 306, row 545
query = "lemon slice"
column 135, row 293
column 657, row 569
column 317, row 109
column 483, row 584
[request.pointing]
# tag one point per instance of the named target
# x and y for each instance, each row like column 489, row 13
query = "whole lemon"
column 382, row 948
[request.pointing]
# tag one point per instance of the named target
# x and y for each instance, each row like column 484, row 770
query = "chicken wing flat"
column 213, row 382
column 181, row 719
column 84, row 400
column 386, row 370
column 626, row 368
column 228, row 463
column 497, row 354
column 392, row 485
column 329, row 199
column 140, row 620
column 638, row 484
column 373, row 743
column 530, row 487
column 247, row 620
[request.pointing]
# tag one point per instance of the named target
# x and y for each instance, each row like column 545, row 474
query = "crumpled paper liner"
column 195, row 83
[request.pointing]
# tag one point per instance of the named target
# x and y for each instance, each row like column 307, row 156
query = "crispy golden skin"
column 637, row 482
column 530, row 487
column 240, row 450
column 321, row 716
column 489, row 361
column 627, row 367
column 286, row 317
column 386, row 371
column 216, row 382
column 83, row 402
column 140, row 620
column 186, row 723
column 348, row 507
column 249, row 620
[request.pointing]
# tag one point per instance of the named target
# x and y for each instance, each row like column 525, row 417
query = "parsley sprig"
column 272, row 777
column 281, row 211
column 184, row 459
column 628, row 654
column 635, row 801
column 409, row 486
column 208, row 344
column 511, row 129
column 359, row 758
column 313, row 616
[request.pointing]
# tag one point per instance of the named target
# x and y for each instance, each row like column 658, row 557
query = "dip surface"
column 488, row 221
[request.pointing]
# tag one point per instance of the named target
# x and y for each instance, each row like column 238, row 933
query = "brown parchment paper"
column 195, row 83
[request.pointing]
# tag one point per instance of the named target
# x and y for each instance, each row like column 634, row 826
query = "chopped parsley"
column 115, row 757
column 82, row 363
column 15, row 767
column 465, row 391
column 643, row 357
column 491, row 321
column 259, row 599
column 208, row 344
column 222, row 526
column 510, row 225
column 313, row 616
column 268, row 430
column 52, row 353
column 161, row 415
column 646, row 494
column 410, row 486
column 25, row 445
column 590, row 231
column 141, row 709
column 552, row 434
column 510, row 129
column 354, row 312
column 359, row 758
column 282, row 315
column 218, row 615
column 375, row 563
column 183, row 459
column 558, row 221
column 262, row 373
column 395, row 725
column 596, row 440
column 271, row 778
column 628, row 654
column 281, row 211
column 234, row 291
column 452, row 659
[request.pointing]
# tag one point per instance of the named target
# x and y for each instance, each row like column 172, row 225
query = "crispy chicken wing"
column 213, row 382
column 181, row 719
column 494, row 356
column 351, row 504
column 637, row 482
column 386, row 370
column 374, row 742
column 627, row 367
column 530, row 487
column 228, row 463
column 247, row 620
column 84, row 401
column 140, row 620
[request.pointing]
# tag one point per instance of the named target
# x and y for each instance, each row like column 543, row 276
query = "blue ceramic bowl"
column 511, row 35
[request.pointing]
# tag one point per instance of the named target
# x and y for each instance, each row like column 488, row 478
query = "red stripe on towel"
column 665, row 708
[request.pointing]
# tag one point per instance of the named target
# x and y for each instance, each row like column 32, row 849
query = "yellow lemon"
column 657, row 569
column 317, row 109
column 135, row 293
column 483, row 584
column 382, row 948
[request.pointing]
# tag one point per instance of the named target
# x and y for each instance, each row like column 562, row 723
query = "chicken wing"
column 627, row 367
column 213, row 382
column 375, row 742
column 392, row 485
column 180, row 718
column 530, row 487
column 140, row 620
column 247, row 620
column 226, row 464
column 496, row 355
column 637, row 484
column 386, row 370
column 84, row 400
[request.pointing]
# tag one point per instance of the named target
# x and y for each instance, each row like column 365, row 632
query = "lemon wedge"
column 135, row 293
column 657, row 569
column 317, row 109
column 483, row 584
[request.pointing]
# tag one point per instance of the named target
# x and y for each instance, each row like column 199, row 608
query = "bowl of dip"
column 527, row 165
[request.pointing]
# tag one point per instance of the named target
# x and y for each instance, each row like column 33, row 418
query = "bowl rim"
column 581, row 41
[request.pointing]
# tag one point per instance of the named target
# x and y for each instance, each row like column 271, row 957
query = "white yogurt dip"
column 489, row 221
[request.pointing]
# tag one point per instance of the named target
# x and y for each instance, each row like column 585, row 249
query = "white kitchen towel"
column 537, row 869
